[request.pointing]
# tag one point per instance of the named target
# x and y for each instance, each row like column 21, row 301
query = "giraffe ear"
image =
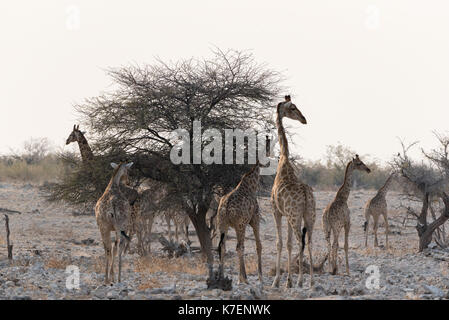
column 129, row 165
column 114, row 165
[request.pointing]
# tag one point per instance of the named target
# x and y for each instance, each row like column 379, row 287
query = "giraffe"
column 87, row 155
column 376, row 207
column 112, row 213
column 77, row 136
column 291, row 198
column 337, row 215
column 180, row 220
column 237, row 209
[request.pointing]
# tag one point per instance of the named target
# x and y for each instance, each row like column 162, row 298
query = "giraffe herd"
column 123, row 210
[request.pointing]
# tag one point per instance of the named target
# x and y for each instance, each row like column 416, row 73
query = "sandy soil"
column 49, row 237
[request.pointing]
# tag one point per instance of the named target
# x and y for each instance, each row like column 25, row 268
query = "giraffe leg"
column 167, row 219
column 376, row 225
column 366, row 231
column 327, row 233
column 106, row 236
column 387, row 229
column 335, row 253
column 221, row 252
column 309, row 248
column 118, row 249
column 289, row 255
column 114, row 253
column 298, row 233
column 121, row 245
column 176, row 231
column 278, row 222
column 241, row 251
column 347, row 227
column 149, row 229
column 256, row 229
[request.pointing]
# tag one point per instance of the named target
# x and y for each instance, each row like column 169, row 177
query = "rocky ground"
column 50, row 239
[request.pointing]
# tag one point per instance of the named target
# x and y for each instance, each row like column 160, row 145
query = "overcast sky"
column 362, row 72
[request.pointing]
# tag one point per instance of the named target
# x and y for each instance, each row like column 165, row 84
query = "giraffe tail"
column 125, row 235
column 364, row 225
column 303, row 238
column 220, row 244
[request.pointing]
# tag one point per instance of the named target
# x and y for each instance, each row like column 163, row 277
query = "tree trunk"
column 426, row 231
column 202, row 230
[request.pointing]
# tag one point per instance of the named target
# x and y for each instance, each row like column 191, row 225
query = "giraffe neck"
column 114, row 183
column 250, row 180
column 281, row 134
column 384, row 189
column 85, row 150
column 345, row 189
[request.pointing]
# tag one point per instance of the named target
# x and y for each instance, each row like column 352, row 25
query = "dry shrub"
column 152, row 264
column 57, row 262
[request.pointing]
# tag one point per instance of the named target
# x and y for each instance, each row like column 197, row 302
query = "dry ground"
column 48, row 237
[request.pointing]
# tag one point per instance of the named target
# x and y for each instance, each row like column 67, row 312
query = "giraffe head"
column 121, row 171
column 288, row 109
column 359, row 165
column 76, row 135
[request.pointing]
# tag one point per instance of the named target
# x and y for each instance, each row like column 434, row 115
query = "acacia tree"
column 149, row 102
column 427, row 182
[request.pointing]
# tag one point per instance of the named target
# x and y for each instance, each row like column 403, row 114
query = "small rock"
column 434, row 291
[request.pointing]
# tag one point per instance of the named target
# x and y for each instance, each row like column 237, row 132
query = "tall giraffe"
column 77, row 136
column 87, row 155
column 112, row 212
column 238, row 209
column 337, row 215
column 376, row 207
column 291, row 198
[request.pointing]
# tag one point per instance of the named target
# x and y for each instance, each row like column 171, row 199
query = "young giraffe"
column 180, row 220
column 337, row 215
column 376, row 207
column 112, row 212
column 291, row 198
column 237, row 209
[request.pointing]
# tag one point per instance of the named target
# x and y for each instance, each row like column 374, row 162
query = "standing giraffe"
column 112, row 212
column 376, row 207
column 87, row 155
column 237, row 209
column 291, row 198
column 337, row 215
column 77, row 136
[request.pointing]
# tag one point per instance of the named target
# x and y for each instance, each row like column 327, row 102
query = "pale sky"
column 362, row 72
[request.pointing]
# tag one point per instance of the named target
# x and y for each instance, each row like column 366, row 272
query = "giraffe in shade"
column 291, row 198
column 112, row 213
column 238, row 209
column 377, row 207
column 337, row 215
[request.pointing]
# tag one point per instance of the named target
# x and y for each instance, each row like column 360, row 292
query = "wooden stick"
column 8, row 243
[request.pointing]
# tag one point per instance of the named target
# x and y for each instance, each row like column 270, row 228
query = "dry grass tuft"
column 152, row 264
column 57, row 262
column 149, row 284
column 251, row 265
